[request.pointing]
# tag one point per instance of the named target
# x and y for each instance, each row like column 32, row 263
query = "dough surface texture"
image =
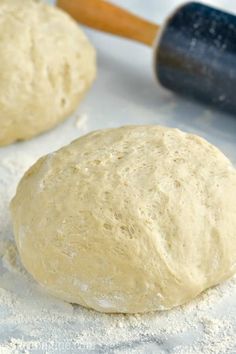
column 47, row 64
column 129, row 220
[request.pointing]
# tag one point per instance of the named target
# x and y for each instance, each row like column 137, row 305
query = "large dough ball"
column 46, row 66
column 128, row 220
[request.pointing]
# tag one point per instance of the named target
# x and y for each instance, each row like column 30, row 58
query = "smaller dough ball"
column 47, row 64
column 128, row 220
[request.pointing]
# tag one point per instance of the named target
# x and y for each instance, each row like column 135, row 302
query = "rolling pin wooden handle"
column 107, row 17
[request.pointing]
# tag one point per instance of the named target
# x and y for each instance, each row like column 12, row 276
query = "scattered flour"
column 81, row 122
column 32, row 321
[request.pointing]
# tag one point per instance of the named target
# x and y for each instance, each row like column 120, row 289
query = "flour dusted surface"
column 43, row 323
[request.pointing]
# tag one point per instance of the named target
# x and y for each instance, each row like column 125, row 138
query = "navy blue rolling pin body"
column 196, row 55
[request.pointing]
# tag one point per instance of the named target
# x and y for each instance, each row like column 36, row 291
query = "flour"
column 32, row 321
column 82, row 122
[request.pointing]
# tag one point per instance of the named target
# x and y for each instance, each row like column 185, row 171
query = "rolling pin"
column 194, row 50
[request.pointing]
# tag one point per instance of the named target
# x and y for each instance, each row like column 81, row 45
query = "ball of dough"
column 47, row 64
column 128, row 220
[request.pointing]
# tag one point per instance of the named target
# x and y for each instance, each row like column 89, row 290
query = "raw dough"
column 47, row 64
column 129, row 220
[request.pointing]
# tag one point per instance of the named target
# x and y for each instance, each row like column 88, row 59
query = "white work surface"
column 125, row 92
